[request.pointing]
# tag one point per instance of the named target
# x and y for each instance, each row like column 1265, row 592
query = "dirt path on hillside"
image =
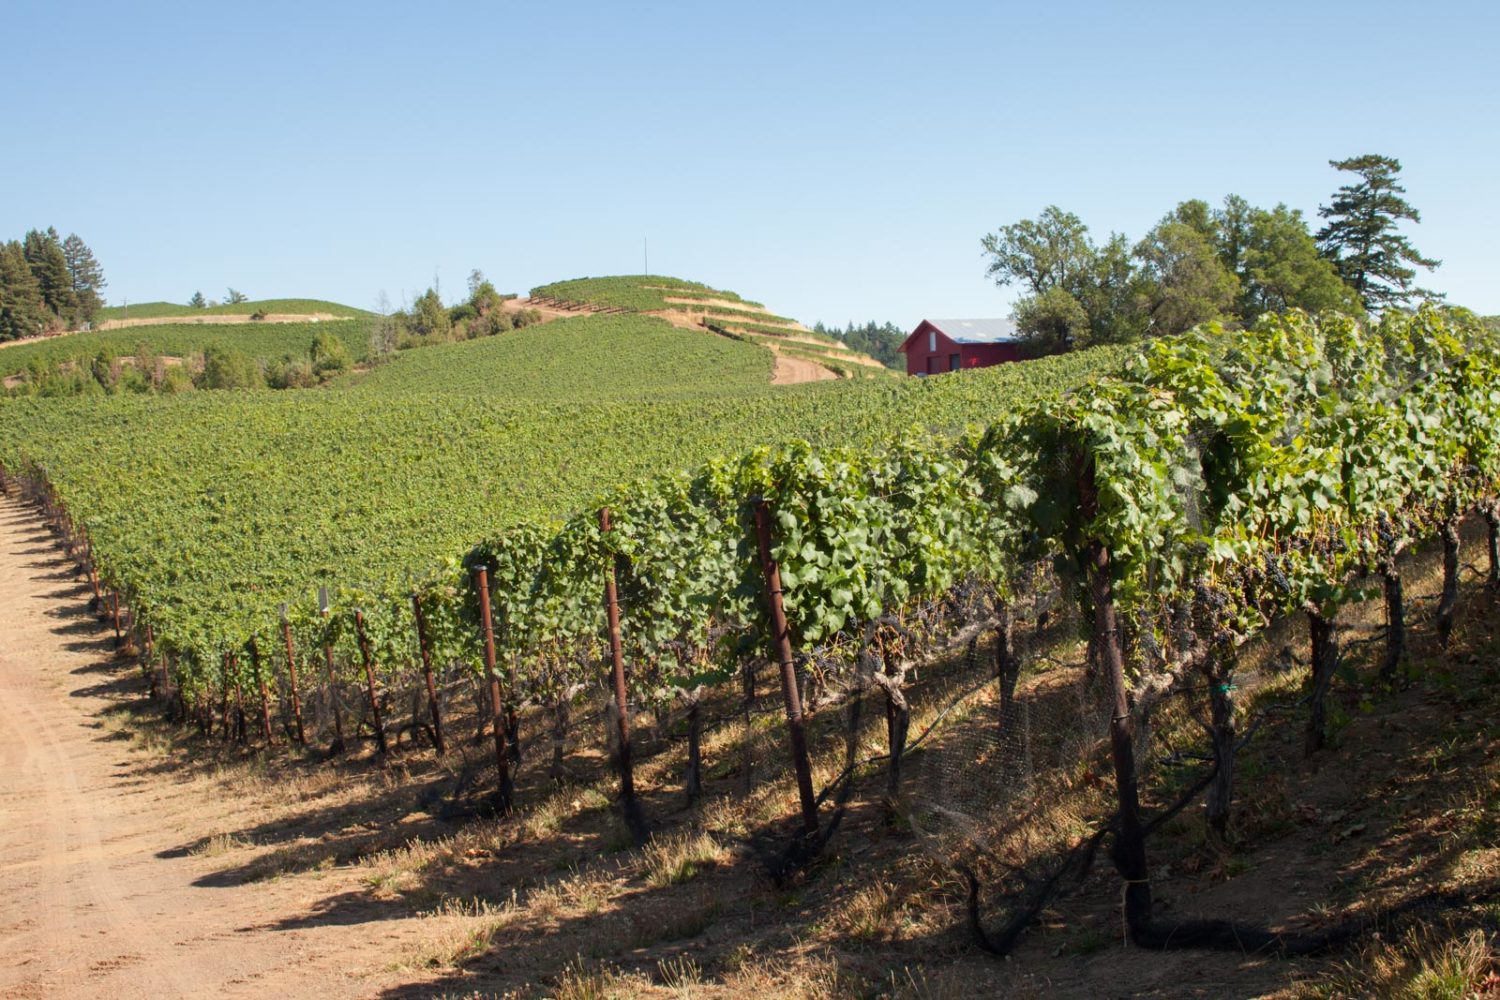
column 794, row 371
column 101, row 890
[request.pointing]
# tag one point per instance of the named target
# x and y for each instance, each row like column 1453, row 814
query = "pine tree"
column 234, row 298
column 22, row 311
column 198, row 301
column 86, row 278
column 1361, row 237
column 44, row 254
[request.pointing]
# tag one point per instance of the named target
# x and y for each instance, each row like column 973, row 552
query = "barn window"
column 931, row 341
column 953, row 362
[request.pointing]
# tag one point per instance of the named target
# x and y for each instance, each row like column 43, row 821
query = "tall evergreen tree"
column 1362, row 236
column 1270, row 253
column 879, row 340
column 44, row 254
column 198, row 301
column 22, row 311
column 85, row 276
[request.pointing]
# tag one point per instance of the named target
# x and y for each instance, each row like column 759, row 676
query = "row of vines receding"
column 1220, row 483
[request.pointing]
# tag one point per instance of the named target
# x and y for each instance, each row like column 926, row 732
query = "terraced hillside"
column 698, row 306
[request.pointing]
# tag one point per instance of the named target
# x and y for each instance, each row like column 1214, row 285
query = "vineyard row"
column 1220, row 482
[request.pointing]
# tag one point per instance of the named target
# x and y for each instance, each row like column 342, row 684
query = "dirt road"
column 105, row 888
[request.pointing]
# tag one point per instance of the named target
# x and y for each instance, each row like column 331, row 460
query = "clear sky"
column 835, row 160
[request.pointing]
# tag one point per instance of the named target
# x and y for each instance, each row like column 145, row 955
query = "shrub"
column 134, row 380
column 176, row 379
column 330, row 357
column 226, row 369
column 290, row 372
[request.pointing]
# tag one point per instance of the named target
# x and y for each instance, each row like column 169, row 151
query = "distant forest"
column 47, row 284
column 878, row 340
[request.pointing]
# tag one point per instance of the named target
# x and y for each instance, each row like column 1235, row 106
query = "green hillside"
column 258, row 340
column 632, row 292
column 590, row 358
column 237, row 501
column 173, row 310
column 722, row 312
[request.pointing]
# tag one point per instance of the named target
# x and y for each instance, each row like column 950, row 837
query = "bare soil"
column 547, row 312
column 792, row 371
column 113, row 881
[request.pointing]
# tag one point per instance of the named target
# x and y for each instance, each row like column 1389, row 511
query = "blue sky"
column 835, row 160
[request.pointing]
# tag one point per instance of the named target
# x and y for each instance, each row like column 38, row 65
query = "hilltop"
column 270, row 331
column 801, row 354
column 243, row 311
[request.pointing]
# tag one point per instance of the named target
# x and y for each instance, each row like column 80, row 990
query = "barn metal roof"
column 977, row 331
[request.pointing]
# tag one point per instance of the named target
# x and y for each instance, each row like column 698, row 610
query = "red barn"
column 946, row 345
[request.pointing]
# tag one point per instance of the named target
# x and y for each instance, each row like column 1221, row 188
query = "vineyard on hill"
column 584, row 539
column 173, row 310
column 588, row 358
column 214, row 509
column 181, row 340
column 689, row 303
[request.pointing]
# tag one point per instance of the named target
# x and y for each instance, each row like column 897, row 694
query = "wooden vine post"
column 1323, row 636
column 224, row 694
column 506, row 793
column 333, row 684
column 629, row 804
column 1130, row 834
column 364, row 655
column 233, row 666
column 1448, row 601
column 291, row 667
column 432, row 698
column 1492, row 541
column 148, row 657
column 88, row 550
column 1395, row 616
column 781, row 645
column 265, row 694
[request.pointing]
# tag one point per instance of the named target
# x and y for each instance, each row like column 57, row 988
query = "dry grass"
column 220, row 844
column 457, row 931
column 1423, row 964
column 678, row 858
column 581, row 981
column 870, row 914
column 808, row 976
column 583, row 893
column 681, row 975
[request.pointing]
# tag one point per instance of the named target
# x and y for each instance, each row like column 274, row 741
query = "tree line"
column 145, row 371
column 47, row 284
column 1232, row 263
column 427, row 321
column 881, row 341
column 232, row 297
